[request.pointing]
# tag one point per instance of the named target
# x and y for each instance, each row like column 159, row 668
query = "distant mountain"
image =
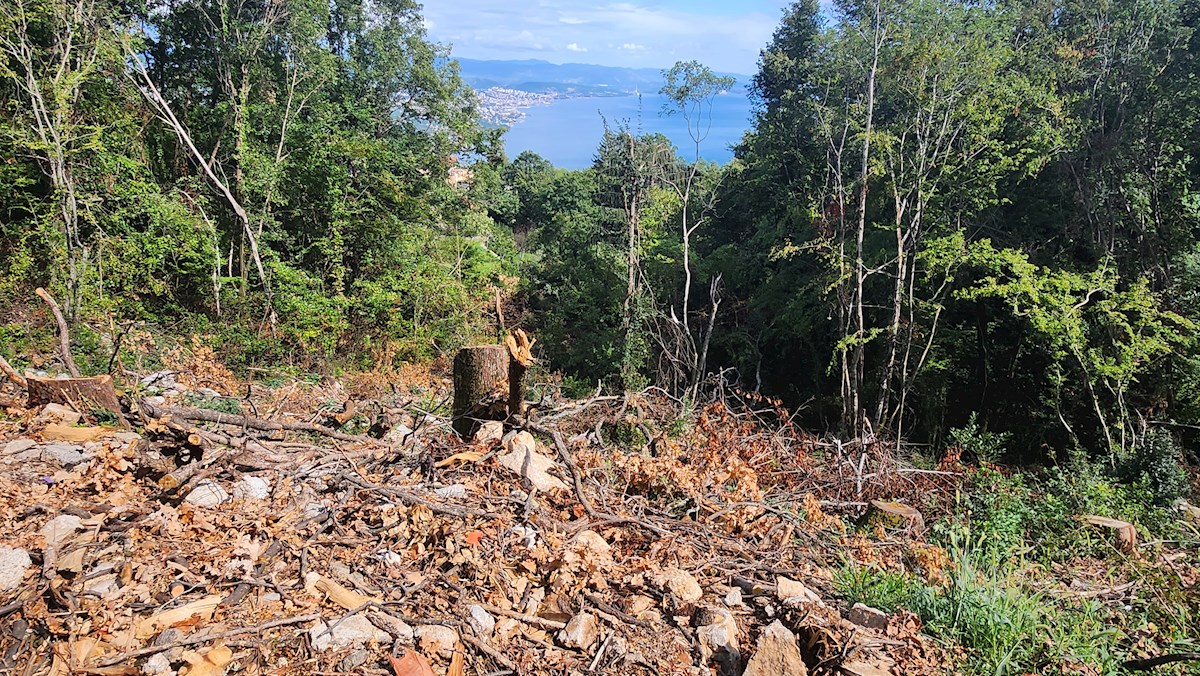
column 542, row 76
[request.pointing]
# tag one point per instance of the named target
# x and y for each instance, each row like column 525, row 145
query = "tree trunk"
column 82, row 394
column 480, row 373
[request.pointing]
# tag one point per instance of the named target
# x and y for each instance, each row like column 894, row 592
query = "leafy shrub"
column 1158, row 462
column 987, row 447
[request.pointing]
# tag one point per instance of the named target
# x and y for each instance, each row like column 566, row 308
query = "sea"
column 567, row 131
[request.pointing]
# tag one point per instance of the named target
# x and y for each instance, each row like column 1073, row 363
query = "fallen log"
column 12, row 373
column 205, row 415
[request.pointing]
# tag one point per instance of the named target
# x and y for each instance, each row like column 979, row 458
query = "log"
column 81, row 394
column 12, row 373
column 480, row 373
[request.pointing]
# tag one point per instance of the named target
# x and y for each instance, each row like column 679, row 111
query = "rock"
column 681, row 584
column 355, row 630
column 55, row 414
column 65, row 454
column 437, row 638
column 60, row 528
column 452, row 492
column 17, row 445
column 734, row 598
column 355, row 659
column 718, row 636
column 524, row 460
column 13, row 564
column 397, row 434
column 126, row 437
column 581, row 632
column 776, row 654
column 866, row 616
column 252, row 488
column 158, row 663
column 481, row 621
column 489, row 432
column 99, row 586
column 398, row 628
column 1189, row 511
column 791, row 592
column 207, row 493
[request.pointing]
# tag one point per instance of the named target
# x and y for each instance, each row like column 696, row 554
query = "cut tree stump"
column 82, row 394
column 480, row 387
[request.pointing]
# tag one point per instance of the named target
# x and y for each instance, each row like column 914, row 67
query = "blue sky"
column 725, row 36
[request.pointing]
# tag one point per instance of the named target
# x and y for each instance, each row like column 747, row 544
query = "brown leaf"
column 412, row 664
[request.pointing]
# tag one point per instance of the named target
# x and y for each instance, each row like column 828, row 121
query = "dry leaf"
column 464, row 457
column 474, row 537
column 212, row 663
column 412, row 664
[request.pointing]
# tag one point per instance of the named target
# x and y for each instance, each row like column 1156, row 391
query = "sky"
column 722, row 34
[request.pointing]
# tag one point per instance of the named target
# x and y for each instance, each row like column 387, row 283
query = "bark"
column 520, row 358
column 81, row 394
column 479, row 373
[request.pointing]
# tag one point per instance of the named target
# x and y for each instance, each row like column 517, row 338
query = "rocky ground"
column 236, row 527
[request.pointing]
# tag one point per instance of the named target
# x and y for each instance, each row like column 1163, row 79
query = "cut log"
column 479, row 373
column 81, row 394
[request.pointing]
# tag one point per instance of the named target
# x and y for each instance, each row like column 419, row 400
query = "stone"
column 451, row 492
column 490, row 432
column 866, row 616
column 158, row 663
column 252, row 488
column 524, row 460
column 99, row 586
column 681, row 584
column 734, row 598
column 55, row 414
column 207, row 493
column 13, row 564
column 437, row 638
column 791, row 592
column 581, row 632
column 776, row 654
column 18, row 445
column 353, row 631
column 481, row 621
column 718, row 636
column 66, row 455
column 355, row 659
column 61, row 527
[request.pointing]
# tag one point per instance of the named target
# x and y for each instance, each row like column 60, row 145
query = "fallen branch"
column 12, row 374
column 196, row 639
column 205, row 415
column 64, row 337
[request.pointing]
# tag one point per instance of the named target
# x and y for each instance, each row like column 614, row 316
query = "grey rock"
column 776, row 654
column 157, row 663
column 99, row 586
column 734, row 598
column 252, row 488
column 490, row 432
column 437, row 638
column 866, row 616
column 13, row 564
column 65, row 454
column 452, row 492
column 207, row 493
column 582, row 632
column 17, row 445
column 355, row 659
column 60, row 528
column 481, row 621
column 355, row 630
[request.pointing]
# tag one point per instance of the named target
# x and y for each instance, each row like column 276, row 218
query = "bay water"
column 567, row 131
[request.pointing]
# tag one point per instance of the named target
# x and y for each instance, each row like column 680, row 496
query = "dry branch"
column 12, row 374
column 64, row 337
column 205, row 415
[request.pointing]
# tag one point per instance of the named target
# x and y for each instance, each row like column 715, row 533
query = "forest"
column 955, row 229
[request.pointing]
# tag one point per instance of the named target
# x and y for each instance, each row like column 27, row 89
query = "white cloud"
column 574, row 47
column 632, row 46
column 572, row 21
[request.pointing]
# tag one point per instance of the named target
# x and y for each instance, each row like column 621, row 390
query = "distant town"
column 505, row 107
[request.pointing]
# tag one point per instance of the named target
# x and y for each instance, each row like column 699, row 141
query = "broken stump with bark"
column 82, row 394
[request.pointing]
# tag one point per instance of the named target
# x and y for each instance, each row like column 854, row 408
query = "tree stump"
column 480, row 387
column 82, row 394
